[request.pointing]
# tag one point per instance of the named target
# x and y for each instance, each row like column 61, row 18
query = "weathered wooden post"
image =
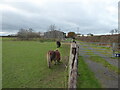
column 73, row 61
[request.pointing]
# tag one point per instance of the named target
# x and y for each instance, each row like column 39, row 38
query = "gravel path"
column 106, row 77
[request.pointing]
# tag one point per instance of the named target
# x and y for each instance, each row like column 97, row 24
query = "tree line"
column 27, row 34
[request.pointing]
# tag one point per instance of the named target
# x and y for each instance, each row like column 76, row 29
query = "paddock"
column 25, row 64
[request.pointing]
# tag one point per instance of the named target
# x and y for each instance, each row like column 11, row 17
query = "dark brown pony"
column 53, row 56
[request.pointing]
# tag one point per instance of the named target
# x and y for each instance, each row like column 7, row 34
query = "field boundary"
column 73, row 65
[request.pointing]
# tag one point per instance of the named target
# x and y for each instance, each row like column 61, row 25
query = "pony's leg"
column 58, row 61
column 57, row 46
column 49, row 64
column 55, row 62
column 48, row 61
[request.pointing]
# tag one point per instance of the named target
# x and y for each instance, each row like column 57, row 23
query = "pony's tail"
column 48, row 60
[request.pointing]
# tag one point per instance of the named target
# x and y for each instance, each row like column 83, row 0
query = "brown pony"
column 53, row 56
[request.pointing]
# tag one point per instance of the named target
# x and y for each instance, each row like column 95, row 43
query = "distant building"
column 54, row 34
column 41, row 34
column 78, row 35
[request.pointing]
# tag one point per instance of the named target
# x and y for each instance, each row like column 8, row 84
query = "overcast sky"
column 83, row 16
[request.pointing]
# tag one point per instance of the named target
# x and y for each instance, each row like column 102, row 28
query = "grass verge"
column 115, row 58
column 86, row 78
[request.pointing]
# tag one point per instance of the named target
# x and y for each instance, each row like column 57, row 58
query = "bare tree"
column 22, row 34
column 90, row 34
column 114, row 31
column 52, row 27
column 25, row 34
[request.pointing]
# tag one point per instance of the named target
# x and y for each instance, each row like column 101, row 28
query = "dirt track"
column 107, row 77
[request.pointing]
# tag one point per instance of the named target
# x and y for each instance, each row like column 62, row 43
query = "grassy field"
column 25, row 65
column 86, row 78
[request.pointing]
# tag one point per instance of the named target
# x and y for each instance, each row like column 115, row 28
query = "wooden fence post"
column 73, row 66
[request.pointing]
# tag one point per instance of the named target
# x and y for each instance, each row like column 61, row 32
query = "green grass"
column 115, row 58
column 102, row 47
column 104, row 63
column 68, row 39
column 90, row 53
column 86, row 78
column 25, row 65
column 105, row 52
column 32, row 39
column 9, row 38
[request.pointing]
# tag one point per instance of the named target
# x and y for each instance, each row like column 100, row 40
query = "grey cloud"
column 92, row 18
